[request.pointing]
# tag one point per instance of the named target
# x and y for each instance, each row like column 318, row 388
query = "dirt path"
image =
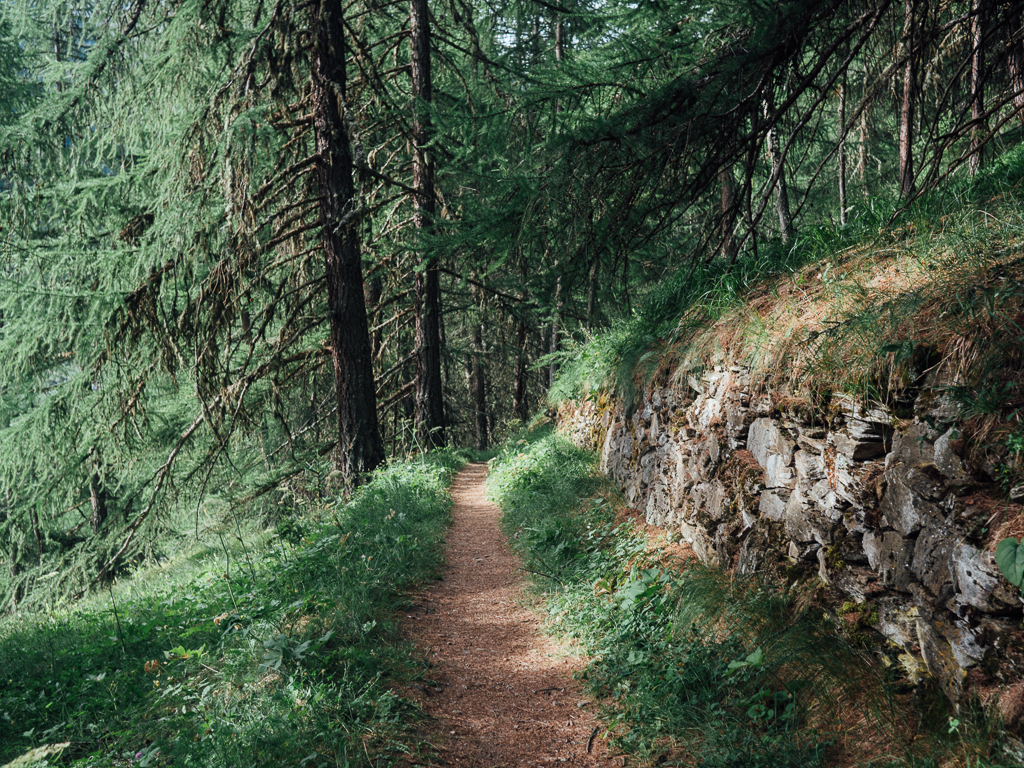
column 504, row 694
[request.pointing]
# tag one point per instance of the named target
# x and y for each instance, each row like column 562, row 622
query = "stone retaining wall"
column 882, row 509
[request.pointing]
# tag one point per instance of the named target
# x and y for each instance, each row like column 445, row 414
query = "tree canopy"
column 245, row 240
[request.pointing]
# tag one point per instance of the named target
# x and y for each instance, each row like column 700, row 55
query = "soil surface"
column 502, row 692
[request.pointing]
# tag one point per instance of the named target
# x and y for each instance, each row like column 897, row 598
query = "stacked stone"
column 882, row 509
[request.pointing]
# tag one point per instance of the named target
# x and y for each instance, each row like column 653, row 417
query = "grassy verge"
column 697, row 668
column 269, row 650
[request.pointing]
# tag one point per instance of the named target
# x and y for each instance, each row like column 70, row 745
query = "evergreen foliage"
column 167, row 331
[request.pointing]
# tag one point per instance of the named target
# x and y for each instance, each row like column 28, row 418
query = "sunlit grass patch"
column 264, row 651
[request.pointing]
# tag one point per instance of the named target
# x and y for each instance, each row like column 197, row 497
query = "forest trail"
column 504, row 694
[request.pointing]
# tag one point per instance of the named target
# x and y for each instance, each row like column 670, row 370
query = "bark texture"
column 978, row 129
column 359, row 442
column 1015, row 59
column 786, row 230
column 729, row 248
column 430, row 421
column 907, row 105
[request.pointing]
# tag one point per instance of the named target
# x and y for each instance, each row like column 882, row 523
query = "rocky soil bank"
column 879, row 505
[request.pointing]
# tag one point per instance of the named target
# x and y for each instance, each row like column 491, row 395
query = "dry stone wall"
column 881, row 508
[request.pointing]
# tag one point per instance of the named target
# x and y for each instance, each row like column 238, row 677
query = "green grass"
column 695, row 667
column 269, row 650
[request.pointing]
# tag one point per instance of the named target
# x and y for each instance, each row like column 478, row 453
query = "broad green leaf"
column 1010, row 559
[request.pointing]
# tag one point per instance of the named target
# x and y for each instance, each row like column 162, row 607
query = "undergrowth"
column 268, row 650
column 696, row 667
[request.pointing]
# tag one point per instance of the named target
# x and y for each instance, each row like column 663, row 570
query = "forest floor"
column 502, row 693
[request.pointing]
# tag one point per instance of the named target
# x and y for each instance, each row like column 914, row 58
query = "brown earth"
column 502, row 693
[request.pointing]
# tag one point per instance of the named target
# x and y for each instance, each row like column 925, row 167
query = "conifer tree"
column 430, row 420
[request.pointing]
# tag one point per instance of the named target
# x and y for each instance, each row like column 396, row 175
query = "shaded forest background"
column 252, row 249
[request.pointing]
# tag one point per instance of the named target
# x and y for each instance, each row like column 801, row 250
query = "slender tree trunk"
column 13, row 552
column 479, row 388
column 728, row 251
column 906, row 149
column 37, row 532
column 864, row 143
column 373, row 291
column 430, row 422
column 786, row 230
column 520, row 408
column 978, row 130
column 595, row 266
column 556, row 319
column 98, row 502
column 842, row 150
column 1015, row 59
column 359, row 443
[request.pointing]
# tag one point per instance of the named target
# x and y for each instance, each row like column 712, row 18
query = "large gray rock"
column 777, row 472
column 764, row 440
column 913, row 447
column 773, row 504
column 658, row 504
column 737, row 422
column 948, row 462
column 809, row 467
column 902, row 508
column 856, row 448
column 932, row 563
column 897, row 620
column 979, row 581
column 890, row 555
column 938, row 655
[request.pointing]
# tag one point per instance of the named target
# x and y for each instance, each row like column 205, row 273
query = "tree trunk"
column 520, row 407
column 978, row 130
column 728, row 251
column 864, row 144
column 786, row 230
column 37, row 532
column 595, row 266
column 907, row 107
column 359, row 443
column 479, row 388
column 556, row 318
column 430, row 423
column 1015, row 60
column 373, row 291
column 98, row 502
column 13, row 552
column 842, row 150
